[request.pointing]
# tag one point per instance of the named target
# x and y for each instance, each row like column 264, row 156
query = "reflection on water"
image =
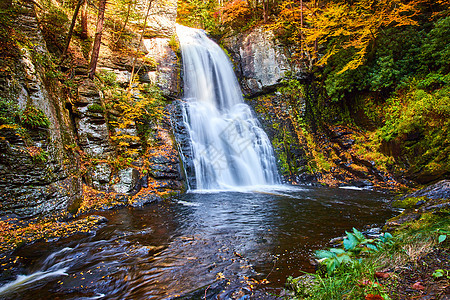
column 197, row 241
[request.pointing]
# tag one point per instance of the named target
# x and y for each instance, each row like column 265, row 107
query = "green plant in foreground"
column 355, row 245
column 441, row 273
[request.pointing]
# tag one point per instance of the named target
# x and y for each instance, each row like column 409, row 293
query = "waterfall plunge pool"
column 198, row 244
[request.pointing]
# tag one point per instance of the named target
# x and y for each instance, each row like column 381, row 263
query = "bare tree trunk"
column 130, row 4
column 144, row 25
column 84, row 21
column 301, row 29
column 265, row 12
column 97, row 39
column 72, row 25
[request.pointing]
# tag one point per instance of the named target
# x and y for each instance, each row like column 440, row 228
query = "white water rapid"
column 230, row 150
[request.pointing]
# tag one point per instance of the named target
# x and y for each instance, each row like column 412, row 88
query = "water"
column 197, row 242
column 229, row 147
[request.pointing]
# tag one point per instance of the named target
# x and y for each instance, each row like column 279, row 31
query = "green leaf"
column 358, row 234
column 337, row 251
column 387, row 235
column 324, row 254
column 438, row 273
column 372, row 247
column 350, row 242
column 442, row 238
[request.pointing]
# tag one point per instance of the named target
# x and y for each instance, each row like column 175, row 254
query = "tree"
column 127, row 17
column 355, row 26
column 97, row 39
column 84, row 21
column 339, row 26
column 72, row 25
column 144, row 25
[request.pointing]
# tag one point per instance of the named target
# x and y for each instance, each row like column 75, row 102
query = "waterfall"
column 229, row 148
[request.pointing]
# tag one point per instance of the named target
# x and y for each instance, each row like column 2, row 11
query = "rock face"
column 183, row 139
column 153, row 165
column 38, row 174
column 304, row 156
column 160, row 64
column 48, row 167
column 260, row 62
column 439, row 190
column 93, row 133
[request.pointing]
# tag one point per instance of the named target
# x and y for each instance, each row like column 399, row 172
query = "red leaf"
column 373, row 297
column 418, row 286
column 382, row 275
column 364, row 282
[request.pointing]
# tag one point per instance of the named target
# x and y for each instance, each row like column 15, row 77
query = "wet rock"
column 406, row 216
column 128, row 179
column 182, row 139
column 437, row 207
column 144, row 199
column 96, row 219
column 439, row 190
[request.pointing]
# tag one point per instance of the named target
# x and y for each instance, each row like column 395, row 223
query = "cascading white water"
column 229, row 147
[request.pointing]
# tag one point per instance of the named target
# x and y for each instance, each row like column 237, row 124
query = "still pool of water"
column 198, row 244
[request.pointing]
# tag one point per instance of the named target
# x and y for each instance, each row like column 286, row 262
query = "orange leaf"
column 418, row 286
column 382, row 275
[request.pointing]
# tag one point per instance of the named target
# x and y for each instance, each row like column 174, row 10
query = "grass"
column 358, row 280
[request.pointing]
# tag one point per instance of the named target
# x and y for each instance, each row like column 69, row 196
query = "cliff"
column 70, row 144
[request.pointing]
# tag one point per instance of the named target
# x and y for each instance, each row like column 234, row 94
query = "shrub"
column 33, row 117
column 8, row 112
column 95, row 108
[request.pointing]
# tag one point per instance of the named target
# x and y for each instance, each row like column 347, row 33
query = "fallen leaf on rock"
column 382, row 275
column 418, row 286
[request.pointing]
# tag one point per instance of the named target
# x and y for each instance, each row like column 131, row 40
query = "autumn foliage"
column 339, row 26
column 235, row 12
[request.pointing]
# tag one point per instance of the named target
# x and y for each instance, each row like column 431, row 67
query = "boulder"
column 128, row 179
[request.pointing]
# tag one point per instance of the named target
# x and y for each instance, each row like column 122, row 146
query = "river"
column 218, row 244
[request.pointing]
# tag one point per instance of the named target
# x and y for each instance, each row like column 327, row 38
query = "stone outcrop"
column 434, row 199
column 439, row 190
column 154, row 169
column 38, row 175
column 160, row 64
column 49, row 169
column 183, row 140
column 93, row 133
column 260, row 62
